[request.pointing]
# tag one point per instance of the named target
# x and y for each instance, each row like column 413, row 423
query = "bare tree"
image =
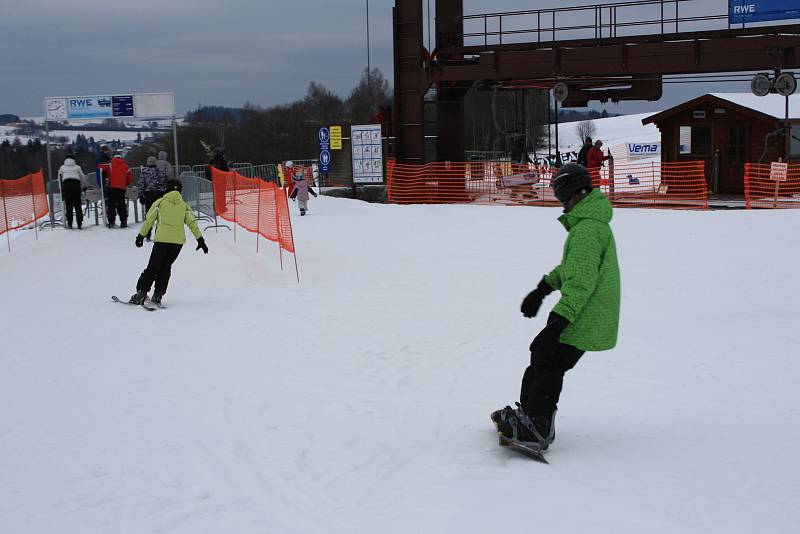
column 585, row 129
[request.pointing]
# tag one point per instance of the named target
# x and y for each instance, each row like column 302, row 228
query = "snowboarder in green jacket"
column 586, row 318
column 171, row 213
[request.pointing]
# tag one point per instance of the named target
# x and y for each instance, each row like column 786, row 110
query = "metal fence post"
column 258, row 215
column 235, row 220
column 5, row 214
column 33, row 206
column 49, row 174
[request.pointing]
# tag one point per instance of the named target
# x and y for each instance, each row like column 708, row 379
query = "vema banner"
column 743, row 11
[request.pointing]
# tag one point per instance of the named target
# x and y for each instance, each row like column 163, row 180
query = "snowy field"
column 359, row 400
column 614, row 132
column 7, row 133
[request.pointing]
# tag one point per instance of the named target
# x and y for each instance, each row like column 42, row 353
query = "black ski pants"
column 149, row 199
column 71, row 194
column 159, row 267
column 117, row 205
column 544, row 379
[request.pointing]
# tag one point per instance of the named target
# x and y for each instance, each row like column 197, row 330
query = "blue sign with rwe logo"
column 100, row 107
column 744, row 11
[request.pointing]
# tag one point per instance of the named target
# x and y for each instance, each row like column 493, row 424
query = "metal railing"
column 598, row 22
column 198, row 192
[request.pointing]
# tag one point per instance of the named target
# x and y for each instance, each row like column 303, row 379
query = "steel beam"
column 409, row 80
column 731, row 54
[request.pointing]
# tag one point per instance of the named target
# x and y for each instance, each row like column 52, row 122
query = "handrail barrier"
column 256, row 205
column 654, row 185
column 22, row 201
column 766, row 188
column 598, row 22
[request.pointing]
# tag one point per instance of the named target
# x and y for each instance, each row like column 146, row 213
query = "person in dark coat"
column 101, row 167
column 151, row 185
column 219, row 160
column 583, row 155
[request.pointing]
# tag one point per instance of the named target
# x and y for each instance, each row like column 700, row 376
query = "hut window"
column 695, row 140
column 794, row 145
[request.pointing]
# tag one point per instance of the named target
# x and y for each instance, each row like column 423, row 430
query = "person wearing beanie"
column 73, row 182
column 152, row 182
column 171, row 213
column 586, row 318
column 164, row 165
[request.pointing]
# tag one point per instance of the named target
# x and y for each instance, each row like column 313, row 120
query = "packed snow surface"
column 358, row 401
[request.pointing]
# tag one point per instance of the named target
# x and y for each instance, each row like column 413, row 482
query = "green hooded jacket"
column 588, row 276
column 172, row 213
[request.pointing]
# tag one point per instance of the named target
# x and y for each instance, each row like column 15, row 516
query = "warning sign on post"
column 779, row 171
column 336, row 137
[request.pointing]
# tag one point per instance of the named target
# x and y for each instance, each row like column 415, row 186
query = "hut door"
column 732, row 171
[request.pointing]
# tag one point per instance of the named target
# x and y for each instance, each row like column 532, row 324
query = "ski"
column 115, row 298
column 531, row 452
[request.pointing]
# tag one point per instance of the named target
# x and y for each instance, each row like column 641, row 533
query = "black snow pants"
column 149, row 199
column 544, row 379
column 117, row 205
column 71, row 194
column 159, row 267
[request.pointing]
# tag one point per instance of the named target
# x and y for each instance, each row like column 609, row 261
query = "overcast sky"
column 222, row 52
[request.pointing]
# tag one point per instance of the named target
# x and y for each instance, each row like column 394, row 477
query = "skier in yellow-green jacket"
column 171, row 213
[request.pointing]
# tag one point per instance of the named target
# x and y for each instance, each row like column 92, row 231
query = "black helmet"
column 173, row 185
column 570, row 179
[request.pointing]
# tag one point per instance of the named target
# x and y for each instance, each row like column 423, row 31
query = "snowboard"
column 532, row 452
column 115, row 298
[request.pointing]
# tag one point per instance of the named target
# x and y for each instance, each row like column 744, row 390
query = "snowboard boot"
column 498, row 416
column 156, row 299
column 302, row 212
column 537, row 432
column 138, row 297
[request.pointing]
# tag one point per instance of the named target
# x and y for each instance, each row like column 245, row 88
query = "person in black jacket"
column 219, row 160
column 583, row 155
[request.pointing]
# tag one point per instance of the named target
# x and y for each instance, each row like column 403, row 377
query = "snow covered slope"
column 614, row 132
column 358, row 401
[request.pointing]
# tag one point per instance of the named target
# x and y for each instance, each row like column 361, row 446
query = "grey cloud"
column 206, row 51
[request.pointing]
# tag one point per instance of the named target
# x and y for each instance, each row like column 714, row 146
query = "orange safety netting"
column 22, row 201
column 253, row 204
column 766, row 187
column 656, row 184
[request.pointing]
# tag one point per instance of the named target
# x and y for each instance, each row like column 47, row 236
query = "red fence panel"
column 255, row 205
column 22, row 201
column 765, row 189
column 660, row 185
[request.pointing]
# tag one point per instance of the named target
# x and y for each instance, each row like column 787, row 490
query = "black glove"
column 201, row 243
column 531, row 303
column 547, row 340
column 139, row 240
